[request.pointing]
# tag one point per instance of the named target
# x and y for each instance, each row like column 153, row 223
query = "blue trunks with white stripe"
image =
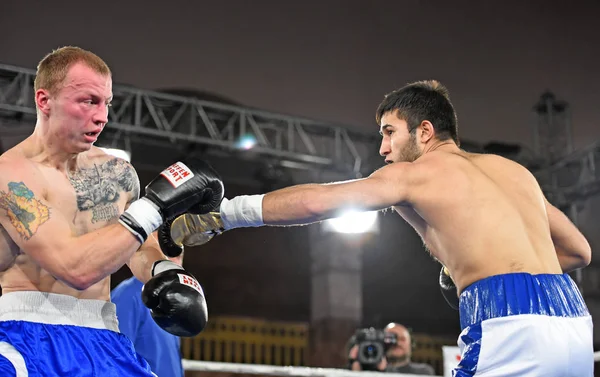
column 521, row 324
column 52, row 335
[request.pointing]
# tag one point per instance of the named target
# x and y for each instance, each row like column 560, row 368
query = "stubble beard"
column 410, row 152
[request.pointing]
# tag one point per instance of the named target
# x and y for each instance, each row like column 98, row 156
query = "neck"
column 445, row 145
column 47, row 149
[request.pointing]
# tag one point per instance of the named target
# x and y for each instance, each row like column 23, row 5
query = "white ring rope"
column 274, row 370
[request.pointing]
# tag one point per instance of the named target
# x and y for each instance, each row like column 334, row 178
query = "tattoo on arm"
column 135, row 191
column 99, row 187
column 25, row 212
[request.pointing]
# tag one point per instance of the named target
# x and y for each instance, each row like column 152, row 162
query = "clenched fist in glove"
column 188, row 230
column 183, row 187
column 175, row 299
column 193, row 230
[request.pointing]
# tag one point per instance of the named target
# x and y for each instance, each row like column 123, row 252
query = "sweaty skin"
column 61, row 197
column 479, row 215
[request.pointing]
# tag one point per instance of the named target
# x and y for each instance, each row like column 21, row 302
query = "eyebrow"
column 383, row 128
column 94, row 94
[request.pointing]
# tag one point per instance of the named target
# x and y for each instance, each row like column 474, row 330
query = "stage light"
column 353, row 222
column 246, row 142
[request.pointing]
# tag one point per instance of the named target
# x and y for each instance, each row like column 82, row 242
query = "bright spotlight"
column 125, row 155
column 353, row 222
column 246, row 142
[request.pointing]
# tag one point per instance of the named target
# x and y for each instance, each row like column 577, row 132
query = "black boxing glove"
column 175, row 299
column 166, row 243
column 182, row 187
column 194, row 188
column 448, row 288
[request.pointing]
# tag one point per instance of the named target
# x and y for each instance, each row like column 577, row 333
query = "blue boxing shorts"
column 525, row 325
column 52, row 335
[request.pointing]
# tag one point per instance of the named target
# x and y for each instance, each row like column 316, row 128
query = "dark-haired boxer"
column 482, row 216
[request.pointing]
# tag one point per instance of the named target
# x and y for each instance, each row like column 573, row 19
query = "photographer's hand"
column 352, row 358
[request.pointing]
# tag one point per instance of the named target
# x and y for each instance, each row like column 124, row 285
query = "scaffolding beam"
column 138, row 115
column 151, row 118
column 574, row 178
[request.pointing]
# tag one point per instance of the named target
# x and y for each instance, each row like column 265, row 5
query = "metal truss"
column 153, row 119
column 146, row 116
column 568, row 184
column 573, row 179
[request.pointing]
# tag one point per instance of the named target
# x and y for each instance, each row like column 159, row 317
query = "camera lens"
column 370, row 351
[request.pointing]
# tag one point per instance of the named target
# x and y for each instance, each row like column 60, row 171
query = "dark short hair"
column 419, row 101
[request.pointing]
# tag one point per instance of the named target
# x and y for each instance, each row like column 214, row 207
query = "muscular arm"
column 46, row 236
column 308, row 203
column 572, row 248
column 142, row 260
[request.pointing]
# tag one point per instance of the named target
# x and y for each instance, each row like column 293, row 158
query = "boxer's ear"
column 42, row 101
column 425, row 131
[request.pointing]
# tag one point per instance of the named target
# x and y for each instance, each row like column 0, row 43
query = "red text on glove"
column 190, row 282
column 177, row 174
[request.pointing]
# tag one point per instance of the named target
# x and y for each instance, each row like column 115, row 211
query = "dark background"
column 334, row 61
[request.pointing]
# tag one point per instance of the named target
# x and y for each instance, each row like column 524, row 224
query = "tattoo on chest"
column 98, row 188
column 25, row 212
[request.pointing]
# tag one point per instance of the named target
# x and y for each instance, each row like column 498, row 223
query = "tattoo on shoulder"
column 26, row 213
column 98, row 188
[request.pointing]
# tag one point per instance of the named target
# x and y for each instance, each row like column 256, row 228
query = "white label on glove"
column 191, row 282
column 177, row 174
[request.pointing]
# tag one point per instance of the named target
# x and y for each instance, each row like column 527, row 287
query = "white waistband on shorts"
column 57, row 309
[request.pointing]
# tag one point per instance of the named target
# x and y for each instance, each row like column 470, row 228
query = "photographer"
column 389, row 351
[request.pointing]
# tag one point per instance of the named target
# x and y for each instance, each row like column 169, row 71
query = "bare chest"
column 92, row 197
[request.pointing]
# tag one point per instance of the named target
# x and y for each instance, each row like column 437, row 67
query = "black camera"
column 372, row 346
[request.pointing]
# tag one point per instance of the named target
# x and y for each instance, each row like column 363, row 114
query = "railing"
column 428, row 350
column 245, row 340
column 256, row 341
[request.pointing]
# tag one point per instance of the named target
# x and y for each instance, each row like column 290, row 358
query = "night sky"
column 334, row 61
